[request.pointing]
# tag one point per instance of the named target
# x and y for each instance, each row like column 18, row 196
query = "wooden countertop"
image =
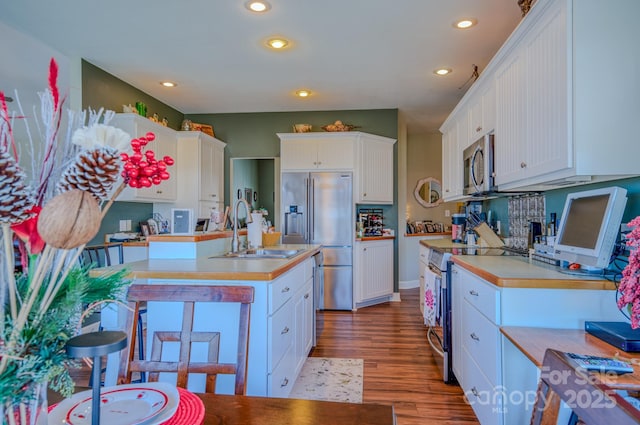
column 374, row 238
column 196, row 237
column 519, row 272
column 205, row 268
column 533, row 342
column 246, row 410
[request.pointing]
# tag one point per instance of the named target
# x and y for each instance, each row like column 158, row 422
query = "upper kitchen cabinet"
column 317, row 151
column 455, row 138
column 374, row 176
column 368, row 156
column 562, row 116
column 164, row 144
column 482, row 112
column 201, row 168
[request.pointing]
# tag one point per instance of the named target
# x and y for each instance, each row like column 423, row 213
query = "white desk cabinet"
column 164, row 144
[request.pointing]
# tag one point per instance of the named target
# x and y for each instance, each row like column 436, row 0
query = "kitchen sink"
column 262, row 253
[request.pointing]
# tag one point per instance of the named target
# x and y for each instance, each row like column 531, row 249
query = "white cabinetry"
column 482, row 112
column 303, row 313
column 317, row 151
column 561, row 118
column 454, row 140
column 423, row 264
column 373, row 271
column 164, row 144
column 375, row 177
column 369, row 156
column 201, row 170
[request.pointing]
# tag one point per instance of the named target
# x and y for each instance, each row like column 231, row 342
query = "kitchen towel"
column 254, row 231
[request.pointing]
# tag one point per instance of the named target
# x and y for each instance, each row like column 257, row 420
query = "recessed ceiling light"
column 465, row 23
column 442, row 71
column 303, row 93
column 168, row 84
column 277, row 43
column 258, row 6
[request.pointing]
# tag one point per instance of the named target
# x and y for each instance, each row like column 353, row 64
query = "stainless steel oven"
column 437, row 311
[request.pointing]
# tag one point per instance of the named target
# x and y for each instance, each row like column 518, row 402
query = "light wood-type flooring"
column 399, row 367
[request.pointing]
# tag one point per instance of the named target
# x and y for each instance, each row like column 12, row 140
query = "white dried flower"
column 99, row 135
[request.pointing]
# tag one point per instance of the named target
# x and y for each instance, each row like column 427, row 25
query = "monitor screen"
column 590, row 226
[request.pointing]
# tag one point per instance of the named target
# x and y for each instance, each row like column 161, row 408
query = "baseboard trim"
column 408, row 284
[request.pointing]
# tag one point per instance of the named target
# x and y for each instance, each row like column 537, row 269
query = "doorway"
column 260, row 177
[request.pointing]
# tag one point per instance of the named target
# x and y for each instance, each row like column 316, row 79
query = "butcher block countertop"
column 533, row 342
column 519, row 272
column 205, row 268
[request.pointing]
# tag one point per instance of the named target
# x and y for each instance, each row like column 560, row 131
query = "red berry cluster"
column 143, row 169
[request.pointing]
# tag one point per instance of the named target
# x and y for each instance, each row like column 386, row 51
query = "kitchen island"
column 282, row 315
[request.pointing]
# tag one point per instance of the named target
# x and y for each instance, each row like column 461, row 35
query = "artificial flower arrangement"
column 50, row 213
column 629, row 287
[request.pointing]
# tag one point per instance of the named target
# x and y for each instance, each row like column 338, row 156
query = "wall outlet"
column 125, row 226
column 447, row 213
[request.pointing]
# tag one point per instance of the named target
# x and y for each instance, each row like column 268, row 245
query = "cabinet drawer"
column 282, row 378
column 285, row 286
column 281, row 329
column 483, row 296
column 481, row 339
column 484, row 398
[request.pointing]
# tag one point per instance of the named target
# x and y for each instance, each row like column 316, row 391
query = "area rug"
column 330, row 379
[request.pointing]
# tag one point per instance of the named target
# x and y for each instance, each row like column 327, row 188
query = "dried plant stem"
column 11, row 280
column 46, row 302
column 112, row 199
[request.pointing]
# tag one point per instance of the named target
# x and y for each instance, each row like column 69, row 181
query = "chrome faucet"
column 247, row 207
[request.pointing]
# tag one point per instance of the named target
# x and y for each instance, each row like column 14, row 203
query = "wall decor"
column 248, row 194
column 428, row 192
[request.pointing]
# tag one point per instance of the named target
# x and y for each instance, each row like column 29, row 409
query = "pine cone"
column 94, row 171
column 16, row 201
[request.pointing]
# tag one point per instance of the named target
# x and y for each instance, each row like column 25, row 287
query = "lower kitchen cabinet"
column 280, row 335
column 485, row 363
column 373, row 271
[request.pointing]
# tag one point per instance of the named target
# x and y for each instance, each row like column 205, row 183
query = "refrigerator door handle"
column 311, row 209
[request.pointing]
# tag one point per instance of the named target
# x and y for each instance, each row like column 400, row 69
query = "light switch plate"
column 123, row 225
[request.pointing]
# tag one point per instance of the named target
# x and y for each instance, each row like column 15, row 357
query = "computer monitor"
column 589, row 226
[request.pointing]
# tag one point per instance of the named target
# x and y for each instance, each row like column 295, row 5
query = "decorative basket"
column 270, row 239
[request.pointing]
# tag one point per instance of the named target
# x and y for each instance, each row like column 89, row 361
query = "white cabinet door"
column 303, row 324
column 165, row 143
column 511, row 118
column 298, row 154
column 336, row 153
column 211, row 171
column 456, row 289
column 375, row 171
column 374, row 269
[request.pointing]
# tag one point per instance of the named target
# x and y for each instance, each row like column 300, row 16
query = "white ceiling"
column 352, row 54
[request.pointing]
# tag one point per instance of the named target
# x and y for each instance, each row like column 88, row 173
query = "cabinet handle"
column 213, row 195
column 473, row 292
column 285, row 382
column 285, row 330
column 474, row 337
column 364, row 195
column 523, row 164
column 158, row 191
column 446, row 190
column 364, row 249
column 285, row 289
column 474, row 391
column 421, row 277
column 306, row 296
column 478, row 129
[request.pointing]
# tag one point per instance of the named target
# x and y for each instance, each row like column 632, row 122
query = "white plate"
column 132, row 404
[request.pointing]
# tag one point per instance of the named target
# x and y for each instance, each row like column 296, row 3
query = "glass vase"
column 30, row 409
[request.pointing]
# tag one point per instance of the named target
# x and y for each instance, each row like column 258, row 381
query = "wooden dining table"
column 250, row 410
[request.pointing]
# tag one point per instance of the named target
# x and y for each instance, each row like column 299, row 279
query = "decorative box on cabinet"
column 373, row 272
column 164, row 144
column 201, row 168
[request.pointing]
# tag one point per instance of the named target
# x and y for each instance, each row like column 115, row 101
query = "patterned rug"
column 330, row 379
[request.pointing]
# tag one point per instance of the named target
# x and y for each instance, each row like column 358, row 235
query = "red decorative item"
column 142, row 169
column 190, row 410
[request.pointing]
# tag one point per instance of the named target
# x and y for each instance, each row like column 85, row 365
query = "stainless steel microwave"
column 478, row 177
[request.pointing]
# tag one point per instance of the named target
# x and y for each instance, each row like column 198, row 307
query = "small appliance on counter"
column 370, row 221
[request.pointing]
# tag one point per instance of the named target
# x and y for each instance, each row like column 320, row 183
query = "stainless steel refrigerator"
column 317, row 208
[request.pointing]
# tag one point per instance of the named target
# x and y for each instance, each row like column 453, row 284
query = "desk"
column 533, row 342
column 247, row 410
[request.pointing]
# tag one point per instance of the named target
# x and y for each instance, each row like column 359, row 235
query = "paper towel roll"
column 254, row 231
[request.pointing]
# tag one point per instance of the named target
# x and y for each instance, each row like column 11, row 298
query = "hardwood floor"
column 399, row 367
